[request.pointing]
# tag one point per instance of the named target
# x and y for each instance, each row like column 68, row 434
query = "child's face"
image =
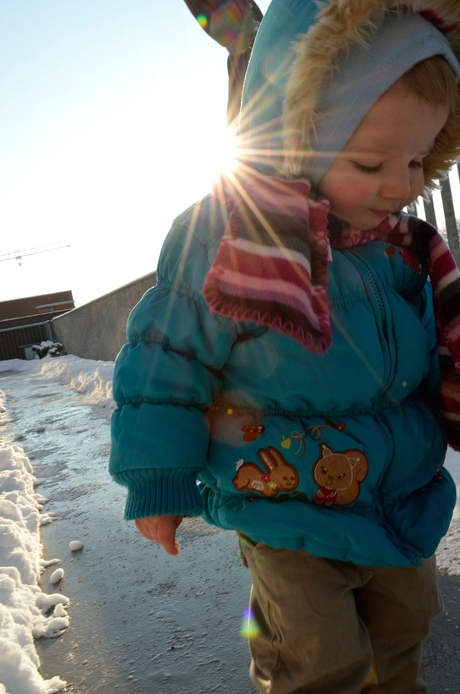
column 380, row 169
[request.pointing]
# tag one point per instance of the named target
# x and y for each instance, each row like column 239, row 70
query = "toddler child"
column 285, row 378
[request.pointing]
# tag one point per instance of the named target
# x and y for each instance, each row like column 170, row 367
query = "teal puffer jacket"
column 338, row 454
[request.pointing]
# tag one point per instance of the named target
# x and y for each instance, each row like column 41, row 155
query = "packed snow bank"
column 25, row 612
column 91, row 379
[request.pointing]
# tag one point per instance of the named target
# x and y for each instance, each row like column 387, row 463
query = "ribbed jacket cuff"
column 161, row 492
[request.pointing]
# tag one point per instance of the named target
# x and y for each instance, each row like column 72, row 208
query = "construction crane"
column 19, row 255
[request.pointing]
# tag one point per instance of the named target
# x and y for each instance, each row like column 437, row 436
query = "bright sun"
column 123, row 174
column 222, row 154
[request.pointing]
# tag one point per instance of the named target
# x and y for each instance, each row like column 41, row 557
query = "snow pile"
column 24, row 609
column 91, row 379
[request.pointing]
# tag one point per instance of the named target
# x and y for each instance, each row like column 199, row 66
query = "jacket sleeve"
column 165, row 377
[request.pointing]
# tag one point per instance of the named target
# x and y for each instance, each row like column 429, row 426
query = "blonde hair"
column 434, row 81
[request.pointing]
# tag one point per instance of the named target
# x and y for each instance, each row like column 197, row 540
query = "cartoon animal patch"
column 277, row 476
column 252, row 431
column 339, row 475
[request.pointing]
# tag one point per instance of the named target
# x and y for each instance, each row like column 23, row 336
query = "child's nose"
column 397, row 186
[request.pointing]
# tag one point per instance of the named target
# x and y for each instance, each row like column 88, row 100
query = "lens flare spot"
column 220, row 154
column 249, row 627
column 202, row 20
column 227, row 152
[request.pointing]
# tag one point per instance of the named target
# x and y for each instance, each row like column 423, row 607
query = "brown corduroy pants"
column 330, row 627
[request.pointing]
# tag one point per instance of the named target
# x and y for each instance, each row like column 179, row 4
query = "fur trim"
column 339, row 24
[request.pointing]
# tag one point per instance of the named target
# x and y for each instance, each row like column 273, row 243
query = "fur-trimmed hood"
column 298, row 46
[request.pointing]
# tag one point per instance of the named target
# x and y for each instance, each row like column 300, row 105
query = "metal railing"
column 442, row 210
column 14, row 342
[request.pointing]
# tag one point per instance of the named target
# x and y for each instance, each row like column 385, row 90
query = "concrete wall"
column 97, row 330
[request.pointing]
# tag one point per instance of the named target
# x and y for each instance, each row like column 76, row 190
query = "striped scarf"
column 272, row 268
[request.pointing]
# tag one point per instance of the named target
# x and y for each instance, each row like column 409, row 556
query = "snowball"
column 75, row 545
column 57, row 576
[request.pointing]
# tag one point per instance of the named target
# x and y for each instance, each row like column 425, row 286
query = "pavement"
column 143, row 622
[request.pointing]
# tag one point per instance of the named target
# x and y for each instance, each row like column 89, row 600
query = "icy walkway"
column 142, row 621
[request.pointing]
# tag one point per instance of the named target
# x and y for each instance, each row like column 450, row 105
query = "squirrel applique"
column 339, row 475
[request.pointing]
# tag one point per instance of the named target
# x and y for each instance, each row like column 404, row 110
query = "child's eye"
column 416, row 164
column 367, row 169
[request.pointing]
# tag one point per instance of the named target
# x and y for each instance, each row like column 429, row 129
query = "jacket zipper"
column 372, row 287
column 381, row 305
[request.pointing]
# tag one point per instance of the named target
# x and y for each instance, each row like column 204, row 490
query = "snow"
column 57, row 576
column 75, row 545
column 92, row 379
column 24, row 609
column 26, row 612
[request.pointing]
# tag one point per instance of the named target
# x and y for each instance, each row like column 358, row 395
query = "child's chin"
column 369, row 225
column 363, row 227
column 366, row 222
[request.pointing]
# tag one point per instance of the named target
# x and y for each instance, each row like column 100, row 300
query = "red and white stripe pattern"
column 271, row 266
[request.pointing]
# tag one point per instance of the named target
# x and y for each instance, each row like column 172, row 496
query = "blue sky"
column 112, row 119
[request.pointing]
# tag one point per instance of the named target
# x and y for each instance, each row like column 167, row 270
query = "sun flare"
column 223, row 153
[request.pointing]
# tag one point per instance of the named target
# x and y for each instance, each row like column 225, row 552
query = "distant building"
column 25, row 322
column 58, row 302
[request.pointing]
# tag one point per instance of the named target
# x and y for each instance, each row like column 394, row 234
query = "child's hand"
column 161, row 529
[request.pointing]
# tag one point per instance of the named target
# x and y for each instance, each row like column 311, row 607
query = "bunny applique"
column 278, row 475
